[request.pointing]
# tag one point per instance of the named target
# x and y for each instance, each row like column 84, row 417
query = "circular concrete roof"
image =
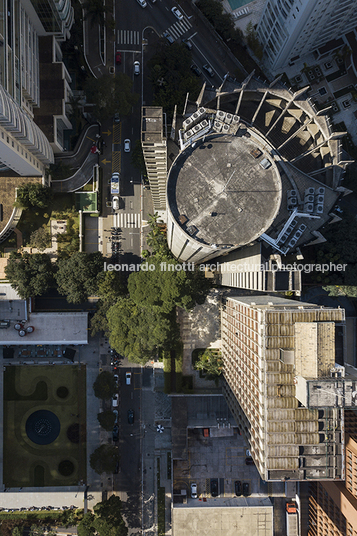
column 223, row 191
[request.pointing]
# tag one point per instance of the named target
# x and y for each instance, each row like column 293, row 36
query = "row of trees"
column 77, row 277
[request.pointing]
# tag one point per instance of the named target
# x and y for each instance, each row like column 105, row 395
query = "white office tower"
column 290, row 29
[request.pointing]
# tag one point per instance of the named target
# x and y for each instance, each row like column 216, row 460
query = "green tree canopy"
column 30, row 275
column 111, row 94
column 137, row 331
column 211, row 363
column 110, row 289
column 171, row 76
column 104, row 459
column 17, row 531
column 107, row 520
column 41, row 238
column 104, row 386
column 341, row 290
column 34, row 195
column 106, row 420
column 86, row 525
column 78, row 276
column 36, row 530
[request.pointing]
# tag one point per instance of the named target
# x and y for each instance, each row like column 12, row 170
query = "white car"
column 136, row 67
column 142, row 3
column 127, row 146
column 177, row 13
column 115, row 202
column 193, row 490
column 128, row 378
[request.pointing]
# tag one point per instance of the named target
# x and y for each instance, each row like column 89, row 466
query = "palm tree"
column 96, row 11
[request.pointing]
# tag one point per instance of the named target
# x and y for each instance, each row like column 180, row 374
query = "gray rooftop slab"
column 223, row 191
column 13, row 309
column 224, row 520
column 50, row 328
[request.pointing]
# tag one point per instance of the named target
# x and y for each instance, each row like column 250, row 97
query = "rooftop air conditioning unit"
column 309, row 207
column 291, row 207
column 292, row 242
column 235, row 119
column 197, row 128
column 292, row 193
column 204, row 123
column 217, row 125
column 310, row 191
column 284, row 249
column 297, row 234
column 188, row 134
column 187, row 122
column 265, row 163
column 201, row 110
column 225, row 128
column 302, row 227
column 195, row 116
column 284, row 237
column 309, row 199
column 220, row 115
column 228, row 119
column 293, row 201
column 320, row 199
column 320, row 191
column 319, row 208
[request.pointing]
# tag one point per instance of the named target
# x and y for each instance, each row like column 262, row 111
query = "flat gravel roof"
column 223, row 191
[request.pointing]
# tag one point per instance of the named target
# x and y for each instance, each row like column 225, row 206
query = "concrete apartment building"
column 282, row 387
column 290, row 29
column 153, row 143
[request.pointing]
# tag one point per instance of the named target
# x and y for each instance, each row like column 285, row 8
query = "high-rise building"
column 256, row 162
column 283, row 386
column 24, row 149
column 333, row 505
column 153, row 143
column 290, row 29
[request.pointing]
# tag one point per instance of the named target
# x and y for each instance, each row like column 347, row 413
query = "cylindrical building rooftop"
column 223, row 192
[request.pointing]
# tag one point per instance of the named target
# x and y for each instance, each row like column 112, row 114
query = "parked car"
column 209, row 69
column 214, row 487
column 246, row 489
column 238, row 488
column 116, row 379
column 116, row 118
column 188, row 43
column 128, row 378
column 115, row 202
column 127, row 146
column 118, row 57
column 196, row 70
column 142, row 3
column 193, row 490
column 136, row 67
column 116, row 413
column 177, row 13
column 116, row 433
column 291, row 507
column 168, row 37
column 130, row 416
column 115, row 402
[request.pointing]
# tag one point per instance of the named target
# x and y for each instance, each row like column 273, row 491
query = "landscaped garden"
column 44, row 426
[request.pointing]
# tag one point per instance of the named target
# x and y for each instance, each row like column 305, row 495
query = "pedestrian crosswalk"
column 179, row 28
column 125, row 220
column 128, row 37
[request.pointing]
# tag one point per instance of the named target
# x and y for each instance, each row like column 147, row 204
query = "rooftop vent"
column 265, row 163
